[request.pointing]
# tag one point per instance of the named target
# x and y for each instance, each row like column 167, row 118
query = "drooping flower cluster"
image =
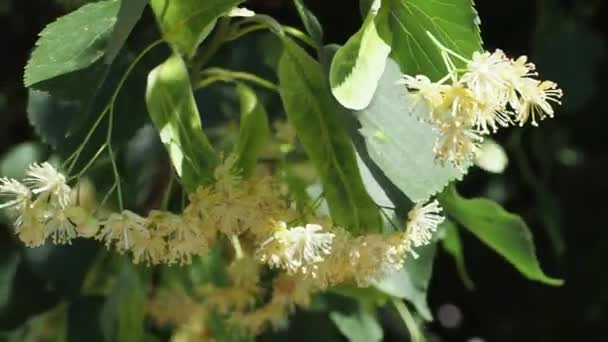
column 492, row 91
column 251, row 215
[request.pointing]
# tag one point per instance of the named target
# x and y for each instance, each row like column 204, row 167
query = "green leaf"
column 359, row 64
column 94, row 31
column 128, row 15
column 400, row 144
column 73, row 42
column 186, row 23
column 452, row 244
column 14, row 162
column 310, row 21
column 502, row 231
column 358, row 326
column 172, row 108
column 412, row 281
column 63, row 122
column 454, row 23
column 122, row 315
column 317, row 118
column 254, row 131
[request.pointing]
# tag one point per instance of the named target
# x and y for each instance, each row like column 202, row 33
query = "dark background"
column 556, row 178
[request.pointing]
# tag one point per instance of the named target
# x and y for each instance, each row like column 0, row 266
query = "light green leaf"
column 502, row 231
column 358, row 326
column 452, row 244
column 310, row 21
column 171, row 106
column 186, row 23
column 87, row 30
column 123, row 313
column 254, row 131
column 359, row 64
column 317, row 118
column 454, row 23
column 412, row 281
column 400, row 144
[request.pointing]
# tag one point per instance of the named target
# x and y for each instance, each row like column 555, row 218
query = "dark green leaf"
column 186, row 23
column 310, row 21
column 400, row 144
column 87, row 30
column 254, row 131
column 454, row 23
column 9, row 261
column 172, row 108
column 128, row 15
column 502, row 231
column 359, row 64
column 83, row 323
column 316, row 117
column 122, row 315
column 452, row 244
column 358, row 326
column 63, row 122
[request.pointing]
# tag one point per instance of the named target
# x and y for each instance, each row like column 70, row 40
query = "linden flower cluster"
column 492, row 91
column 249, row 215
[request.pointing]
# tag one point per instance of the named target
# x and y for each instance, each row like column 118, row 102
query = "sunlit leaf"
column 316, row 116
column 358, row 65
column 186, row 23
column 172, row 108
column 254, row 130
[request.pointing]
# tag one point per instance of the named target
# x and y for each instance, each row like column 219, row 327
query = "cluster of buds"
column 490, row 92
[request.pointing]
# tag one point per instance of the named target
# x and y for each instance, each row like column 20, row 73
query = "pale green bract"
column 400, row 143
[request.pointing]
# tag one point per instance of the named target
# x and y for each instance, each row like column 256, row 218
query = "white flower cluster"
column 41, row 205
column 492, row 91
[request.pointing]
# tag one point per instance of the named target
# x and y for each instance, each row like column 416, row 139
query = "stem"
column 167, row 194
column 113, row 159
column 222, row 30
column 408, row 319
column 444, row 48
column 219, row 74
column 73, row 159
column 90, row 163
column 294, row 32
column 238, row 33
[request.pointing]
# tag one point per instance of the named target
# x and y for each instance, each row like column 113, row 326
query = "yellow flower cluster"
column 250, row 215
column 492, row 91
